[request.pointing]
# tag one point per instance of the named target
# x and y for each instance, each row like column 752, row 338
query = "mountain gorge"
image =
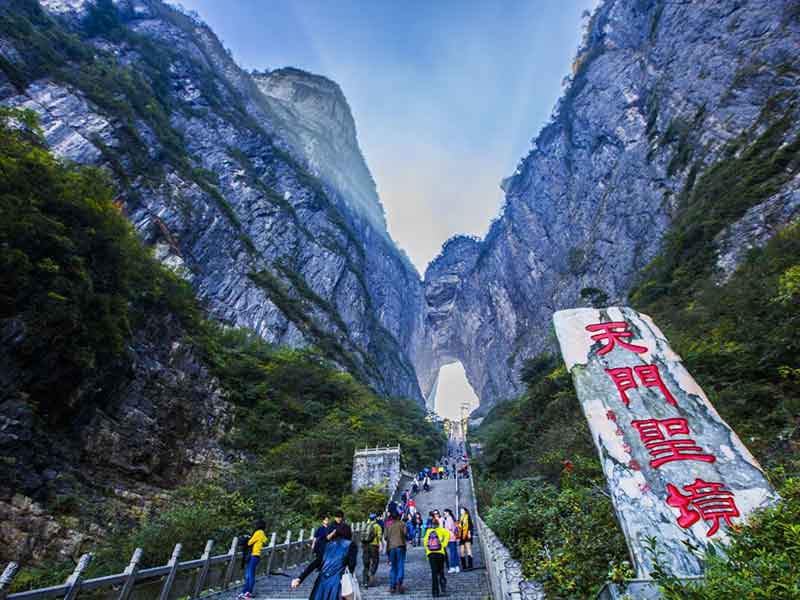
column 664, row 97
column 261, row 200
column 251, row 189
column 673, row 152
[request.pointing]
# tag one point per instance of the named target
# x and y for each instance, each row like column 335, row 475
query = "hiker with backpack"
column 435, row 542
column 452, row 546
column 370, row 553
column 255, row 543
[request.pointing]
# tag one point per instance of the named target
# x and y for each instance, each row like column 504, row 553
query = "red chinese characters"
column 666, row 440
column 613, row 332
column 654, row 434
column 707, row 501
column 623, row 378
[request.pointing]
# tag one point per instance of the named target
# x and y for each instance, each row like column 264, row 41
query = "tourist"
column 370, row 555
column 414, row 489
column 435, row 542
column 452, row 546
column 434, row 473
column 257, row 541
column 465, row 539
column 340, row 554
column 409, row 528
column 395, row 537
column 418, row 527
column 428, row 523
column 426, row 484
column 340, row 528
column 321, row 536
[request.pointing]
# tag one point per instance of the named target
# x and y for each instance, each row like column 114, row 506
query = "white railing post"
column 272, row 541
column 6, row 577
column 201, row 578
column 231, row 563
column 173, row 569
column 286, row 550
column 131, row 570
column 74, row 581
column 298, row 555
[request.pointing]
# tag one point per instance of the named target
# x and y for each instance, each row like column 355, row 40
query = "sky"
column 453, row 391
column 446, row 95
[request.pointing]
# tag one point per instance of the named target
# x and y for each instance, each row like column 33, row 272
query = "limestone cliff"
column 252, row 187
column 661, row 94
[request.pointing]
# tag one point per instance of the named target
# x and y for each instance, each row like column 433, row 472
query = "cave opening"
column 453, row 396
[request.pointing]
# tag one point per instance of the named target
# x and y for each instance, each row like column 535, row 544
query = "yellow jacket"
column 444, row 538
column 257, row 541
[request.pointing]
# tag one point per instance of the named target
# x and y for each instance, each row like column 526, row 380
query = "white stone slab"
column 636, row 477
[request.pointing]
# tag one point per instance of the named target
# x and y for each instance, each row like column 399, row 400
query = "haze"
column 446, row 95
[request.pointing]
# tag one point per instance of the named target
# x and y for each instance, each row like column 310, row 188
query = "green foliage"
column 594, row 296
column 721, row 195
column 79, row 283
column 519, row 437
column 540, row 486
column 359, row 505
column 739, row 340
column 565, row 534
column 75, row 276
column 299, row 420
column 760, row 562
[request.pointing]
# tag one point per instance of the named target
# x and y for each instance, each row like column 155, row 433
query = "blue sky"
column 446, row 95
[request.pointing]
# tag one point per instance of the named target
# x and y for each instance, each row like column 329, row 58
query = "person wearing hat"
column 371, row 543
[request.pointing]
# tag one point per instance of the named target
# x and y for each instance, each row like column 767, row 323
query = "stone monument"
column 377, row 467
column 676, row 471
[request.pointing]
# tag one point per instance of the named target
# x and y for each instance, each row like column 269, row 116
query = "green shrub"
column 761, row 561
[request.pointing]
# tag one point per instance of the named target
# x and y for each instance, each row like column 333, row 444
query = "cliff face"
column 252, row 187
column 661, row 94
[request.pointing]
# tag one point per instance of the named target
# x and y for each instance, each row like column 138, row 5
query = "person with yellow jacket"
column 257, row 541
column 435, row 542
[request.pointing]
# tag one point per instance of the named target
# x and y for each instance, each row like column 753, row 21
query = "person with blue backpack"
column 435, row 542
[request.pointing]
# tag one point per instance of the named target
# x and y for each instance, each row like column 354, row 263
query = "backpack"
column 434, row 543
column 369, row 535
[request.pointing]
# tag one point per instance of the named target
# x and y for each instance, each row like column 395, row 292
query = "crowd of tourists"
column 445, row 537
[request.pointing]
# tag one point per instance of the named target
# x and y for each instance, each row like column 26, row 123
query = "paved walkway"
column 470, row 585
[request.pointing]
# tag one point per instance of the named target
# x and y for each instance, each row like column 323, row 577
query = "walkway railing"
column 177, row 579
column 504, row 572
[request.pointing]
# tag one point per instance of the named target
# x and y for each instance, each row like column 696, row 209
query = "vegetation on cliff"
column 737, row 337
column 77, row 284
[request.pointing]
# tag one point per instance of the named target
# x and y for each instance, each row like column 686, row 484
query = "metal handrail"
column 128, row 579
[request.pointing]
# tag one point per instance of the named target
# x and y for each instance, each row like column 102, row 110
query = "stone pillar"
column 675, row 469
column 376, row 467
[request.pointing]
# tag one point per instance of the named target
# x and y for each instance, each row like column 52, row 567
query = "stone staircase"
column 470, row 585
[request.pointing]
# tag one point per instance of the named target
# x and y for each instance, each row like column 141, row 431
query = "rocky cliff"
column 662, row 97
column 252, row 187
